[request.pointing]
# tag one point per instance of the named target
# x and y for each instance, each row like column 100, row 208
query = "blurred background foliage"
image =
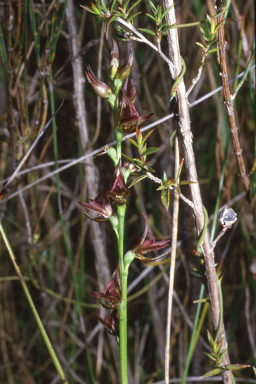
column 46, row 230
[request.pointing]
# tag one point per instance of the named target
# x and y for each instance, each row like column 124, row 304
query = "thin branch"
column 143, row 39
column 175, row 221
column 230, row 109
column 190, row 165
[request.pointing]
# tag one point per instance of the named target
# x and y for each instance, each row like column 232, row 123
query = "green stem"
column 122, row 310
column 119, row 138
column 193, row 339
column 33, row 308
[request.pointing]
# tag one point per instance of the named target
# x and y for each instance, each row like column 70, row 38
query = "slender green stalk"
column 193, row 339
column 122, row 310
column 33, row 308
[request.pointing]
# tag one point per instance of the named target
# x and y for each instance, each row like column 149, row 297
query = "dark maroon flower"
column 129, row 118
column 100, row 88
column 119, row 192
column 112, row 323
column 100, row 205
column 143, row 246
column 113, row 292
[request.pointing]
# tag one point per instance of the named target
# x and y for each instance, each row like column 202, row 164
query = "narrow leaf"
column 142, row 177
column 112, row 6
column 201, row 45
column 165, row 198
column 147, row 135
column 152, row 17
column 150, row 151
column 147, row 31
column 132, row 17
column 210, row 339
column 167, row 10
column 210, row 356
column 152, row 6
column 186, row 182
column 132, row 142
column 164, row 177
column 212, row 373
column 235, row 367
column 133, row 6
column 167, row 29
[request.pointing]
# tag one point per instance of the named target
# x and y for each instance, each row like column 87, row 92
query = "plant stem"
column 122, row 310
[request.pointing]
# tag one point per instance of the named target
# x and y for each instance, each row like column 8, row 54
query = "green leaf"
column 132, row 142
column 161, row 188
column 164, row 177
column 210, row 339
column 159, row 12
column 213, row 50
column 127, row 158
column 209, row 355
column 112, row 6
column 186, row 182
column 235, row 367
column 147, row 31
column 138, row 179
column 150, row 151
column 178, row 190
column 147, row 135
column 120, row 30
column 165, row 198
column 167, row 10
column 218, row 25
column 254, row 370
column 133, row 6
column 201, row 45
column 171, row 138
column 179, row 170
column 151, row 17
column 152, row 6
column 212, row 373
column 209, row 19
column 203, row 32
column 126, row 3
column 167, row 29
column 132, row 17
column 201, row 300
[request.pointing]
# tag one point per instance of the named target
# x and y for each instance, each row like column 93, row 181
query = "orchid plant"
column 110, row 204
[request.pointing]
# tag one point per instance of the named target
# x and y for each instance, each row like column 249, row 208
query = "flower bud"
column 100, row 88
column 114, row 60
column 125, row 69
